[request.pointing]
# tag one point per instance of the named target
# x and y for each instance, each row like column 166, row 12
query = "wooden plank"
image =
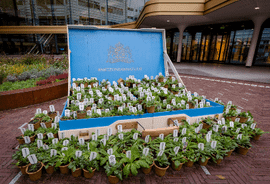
column 180, row 118
column 128, row 125
column 157, row 131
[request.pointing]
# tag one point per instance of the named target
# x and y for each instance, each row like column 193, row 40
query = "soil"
column 33, row 121
column 37, row 168
column 159, row 165
column 51, row 113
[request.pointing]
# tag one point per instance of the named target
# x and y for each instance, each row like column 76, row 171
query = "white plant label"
column 62, row 135
column 78, row 154
column 237, row 119
column 231, row 124
column 145, row 151
column 43, row 125
column 109, row 131
column 25, row 152
column 120, row 136
column 175, row 133
column 147, row 138
column 22, row 130
column 97, row 131
column 200, row 126
column 160, row 153
column 99, row 111
column 54, row 125
column 238, row 130
column 53, row 152
column 110, row 151
column 188, row 120
column 55, row 141
column 93, row 155
column 32, row 159
column 253, row 125
column 176, row 149
column 112, row 160
column 213, row 144
column 175, row 122
column 219, row 122
column 161, row 136
column 207, row 103
column 31, row 127
column 135, row 136
column 64, row 149
column 65, row 142
column 40, row 136
column 50, row 135
column 128, row 154
column 197, row 130
column 39, row 143
column 103, row 141
column 168, row 106
column 94, row 137
column 227, row 111
column 119, row 128
column 67, row 113
column 208, row 137
column 162, row 146
column 184, row 139
column 176, row 139
column 79, row 96
column 229, row 102
column 244, row 125
column 210, row 132
column 139, row 107
column 26, row 139
column 198, row 120
column 81, row 141
column 184, row 131
column 215, row 128
column 45, row 147
column 52, row 109
column 201, row 146
column 223, row 121
column 224, row 129
column 38, row 110
column 201, row 105
column 239, row 136
column 81, row 107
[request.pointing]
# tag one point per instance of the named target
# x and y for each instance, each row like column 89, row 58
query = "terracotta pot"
column 88, row 108
column 128, row 84
column 85, row 84
column 35, row 175
column 55, row 135
column 36, row 125
column 189, row 163
column 50, row 169
column 191, row 106
column 166, row 86
column 229, row 153
column 231, row 118
column 23, row 168
column 81, row 115
column 203, row 163
column 48, row 124
column 177, row 168
column 150, row 109
column 77, row 85
column 206, row 126
column 113, row 179
column 52, row 114
column 160, row 79
column 21, row 140
column 147, row 170
column 76, row 173
column 175, row 92
column 160, row 171
column 241, row 150
column 32, row 139
column 64, row 169
column 219, row 161
column 243, row 120
column 256, row 137
column 87, row 174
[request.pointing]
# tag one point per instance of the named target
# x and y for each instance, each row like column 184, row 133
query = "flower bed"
column 123, row 154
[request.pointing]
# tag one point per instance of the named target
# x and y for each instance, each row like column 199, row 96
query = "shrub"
column 11, row 78
column 24, row 76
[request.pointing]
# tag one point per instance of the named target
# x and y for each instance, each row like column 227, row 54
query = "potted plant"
column 161, row 164
column 47, row 120
column 34, row 171
column 150, row 106
column 149, row 160
column 228, row 144
column 207, row 122
column 76, row 166
column 243, row 145
column 231, row 115
column 90, row 167
column 81, row 114
column 49, row 162
column 22, row 162
column 204, row 156
column 52, row 114
column 114, row 172
column 20, row 139
column 65, row 159
column 257, row 133
column 31, row 134
column 177, row 160
column 243, row 117
column 36, row 120
column 161, row 78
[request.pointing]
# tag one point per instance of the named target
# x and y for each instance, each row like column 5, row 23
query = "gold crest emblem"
column 119, row 53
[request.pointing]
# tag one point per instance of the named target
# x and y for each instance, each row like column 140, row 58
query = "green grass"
column 8, row 86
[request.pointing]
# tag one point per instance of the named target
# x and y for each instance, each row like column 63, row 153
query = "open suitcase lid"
column 111, row 54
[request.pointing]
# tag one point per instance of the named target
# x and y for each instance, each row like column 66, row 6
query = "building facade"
column 212, row 31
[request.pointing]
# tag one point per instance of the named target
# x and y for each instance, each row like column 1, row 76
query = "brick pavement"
column 252, row 168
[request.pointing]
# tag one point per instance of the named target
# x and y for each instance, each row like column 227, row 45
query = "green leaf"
column 126, row 170
column 134, row 169
column 177, row 163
